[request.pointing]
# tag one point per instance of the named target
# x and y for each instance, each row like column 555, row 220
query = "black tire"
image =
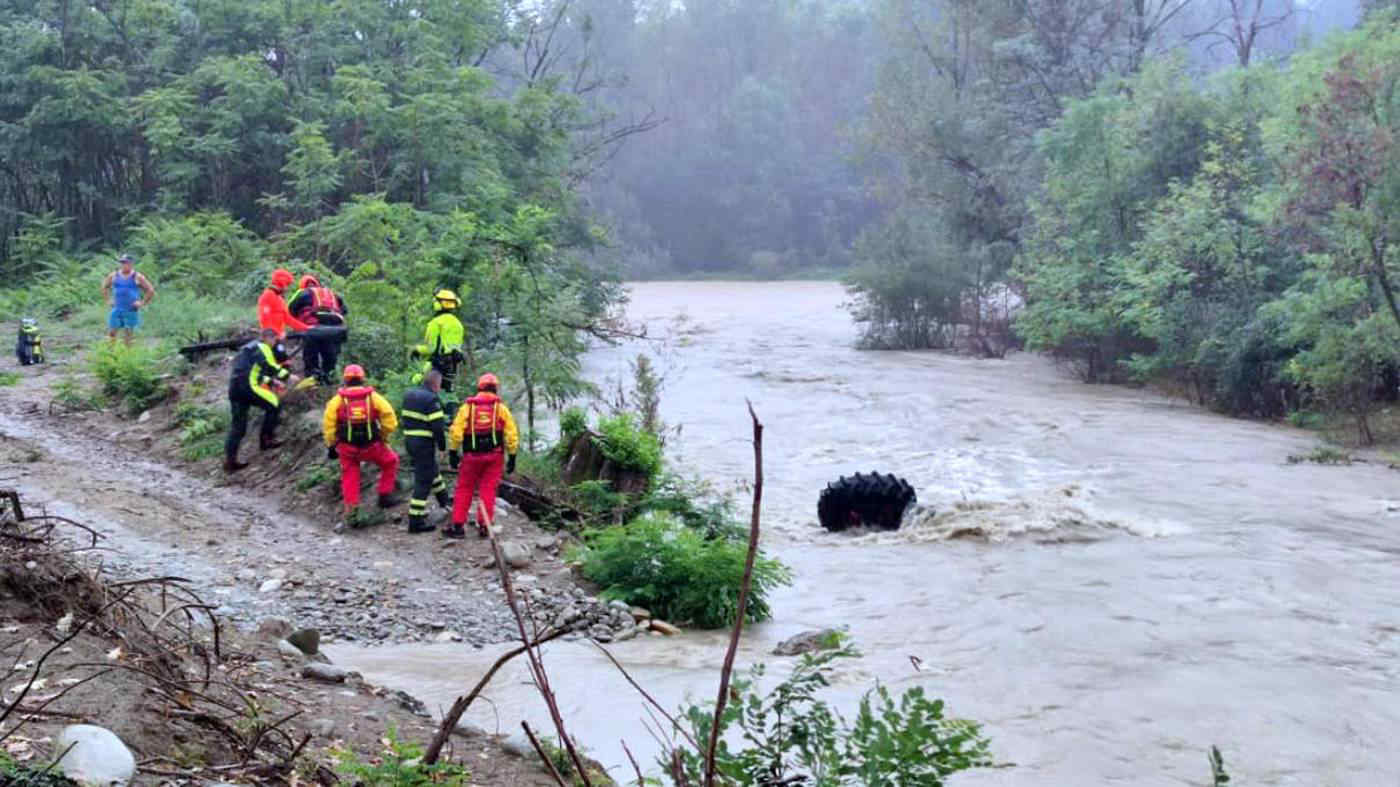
column 864, row 499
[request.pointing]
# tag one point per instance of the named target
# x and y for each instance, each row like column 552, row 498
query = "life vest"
column 356, row 422
column 486, row 427
column 324, row 309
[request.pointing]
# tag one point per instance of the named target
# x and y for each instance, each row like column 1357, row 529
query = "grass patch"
column 9, row 378
column 319, row 475
column 70, row 394
column 658, row 563
column 201, row 431
column 399, row 765
column 1322, row 455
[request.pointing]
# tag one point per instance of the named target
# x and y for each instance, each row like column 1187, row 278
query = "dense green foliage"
column 1235, row 238
column 389, row 148
column 675, row 572
column 790, row 733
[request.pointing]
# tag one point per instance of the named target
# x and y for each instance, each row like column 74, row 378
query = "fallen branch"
column 727, row 670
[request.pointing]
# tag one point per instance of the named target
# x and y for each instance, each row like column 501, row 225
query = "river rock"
column 144, row 417
column 517, row 555
column 809, row 642
column 322, row 728
column 274, row 628
column 327, row 672
column 640, row 614
column 662, row 627
column 290, row 652
column 518, row 745
column 270, row 586
column 94, row 756
column 246, row 575
column 308, row 641
column 447, row 636
column 468, row 730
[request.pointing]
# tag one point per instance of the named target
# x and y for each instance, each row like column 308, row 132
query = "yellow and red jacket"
column 273, row 313
column 358, row 415
column 484, row 424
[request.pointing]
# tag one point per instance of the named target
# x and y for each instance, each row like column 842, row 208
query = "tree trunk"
column 1378, row 264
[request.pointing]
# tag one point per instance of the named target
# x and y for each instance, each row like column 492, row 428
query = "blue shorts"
column 123, row 318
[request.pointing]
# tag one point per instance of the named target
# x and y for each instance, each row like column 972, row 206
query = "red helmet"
column 354, row 372
column 281, row 278
column 308, row 281
column 487, row 380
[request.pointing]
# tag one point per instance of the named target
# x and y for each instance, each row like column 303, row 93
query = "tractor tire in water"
column 864, row 500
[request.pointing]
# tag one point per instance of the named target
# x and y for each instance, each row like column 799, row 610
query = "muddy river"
column 1110, row 580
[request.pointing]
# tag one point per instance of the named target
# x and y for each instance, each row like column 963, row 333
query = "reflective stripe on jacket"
column 423, row 416
column 257, row 364
column 501, row 427
column 386, row 421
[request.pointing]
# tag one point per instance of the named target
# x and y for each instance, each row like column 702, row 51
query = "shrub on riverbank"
column 790, row 735
column 675, row 572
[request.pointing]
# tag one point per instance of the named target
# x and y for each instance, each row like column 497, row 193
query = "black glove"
column 331, row 453
column 510, row 464
column 454, row 459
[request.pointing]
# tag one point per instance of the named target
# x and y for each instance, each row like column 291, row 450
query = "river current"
column 1110, row 580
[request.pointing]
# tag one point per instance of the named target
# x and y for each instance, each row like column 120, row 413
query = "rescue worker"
column 258, row 376
column 357, row 422
column 319, row 306
column 127, row 292
column 425, row 433
column 485, row 433
column 444, row 340
column 272, row 310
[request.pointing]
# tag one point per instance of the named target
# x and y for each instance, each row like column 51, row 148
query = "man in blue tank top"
column 126, row 292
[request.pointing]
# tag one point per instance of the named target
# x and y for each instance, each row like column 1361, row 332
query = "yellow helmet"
column 445, row 300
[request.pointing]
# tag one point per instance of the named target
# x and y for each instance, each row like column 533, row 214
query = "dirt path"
column 254, row 543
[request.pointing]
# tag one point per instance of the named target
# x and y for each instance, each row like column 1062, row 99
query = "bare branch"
column 727, row 670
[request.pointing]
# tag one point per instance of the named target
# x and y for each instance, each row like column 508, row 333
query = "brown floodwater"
column 1110, row 580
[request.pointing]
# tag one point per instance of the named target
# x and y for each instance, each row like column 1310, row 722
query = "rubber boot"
column 232, row 465
column 419, row 524
column 444, row 499
column 389, row 501
column 482, row 532
column 454, row 531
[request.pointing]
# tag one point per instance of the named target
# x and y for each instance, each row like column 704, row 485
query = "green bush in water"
column 677, row 574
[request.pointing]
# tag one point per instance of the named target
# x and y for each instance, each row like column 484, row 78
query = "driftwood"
column 524, row 494
column 193, row 351
column 10, row 508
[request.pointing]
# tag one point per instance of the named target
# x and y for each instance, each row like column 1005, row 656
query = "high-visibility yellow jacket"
column 444, row 334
